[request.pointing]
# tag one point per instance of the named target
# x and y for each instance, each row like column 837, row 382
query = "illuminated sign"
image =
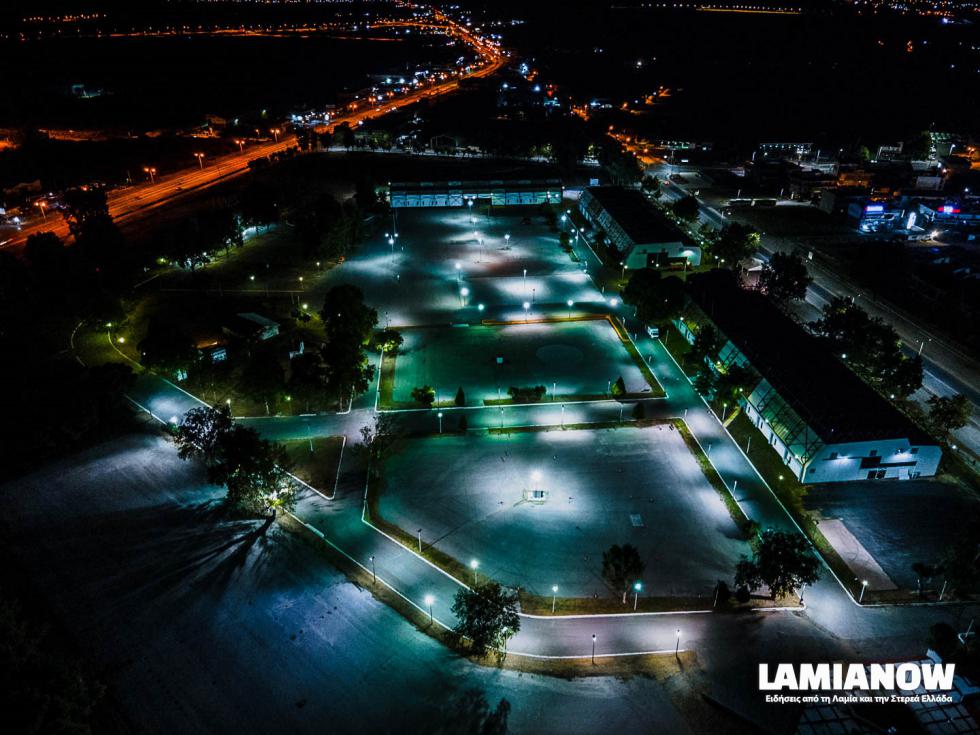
column 875, row 208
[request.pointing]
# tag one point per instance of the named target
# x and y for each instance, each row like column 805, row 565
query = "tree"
column 871, row 348
column 706, row 381
column 166, row 346
column 650, row 184
column 948, row 413
column 639, row 411
column 264, row 376
column 387, row 340
column 686, row 208
column 785, row 277
column 345, row 314
column 734, row 382
column 707, row 343
column 943, row 640
column 349, row 324
column 619, row 387
column 655, row 298
column 920, row 147
column 735, row 243
column 487, row 617
column 923, row 571
column 460, row 400
column 253, row 470
column 426, row 395
column 781, row 561
column 201, row 432
column 961, row 560
column 622, row 567
column 377, row 440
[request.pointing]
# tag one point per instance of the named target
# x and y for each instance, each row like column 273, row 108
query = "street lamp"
column 593, row 649
column 569, row 308
column 507, row 239
column 526, row 307
column 473, row 565
column 677, row 645
column 152, row 172
column 480, row 307
column 429, row 599
column 864, row 586
column 374, row 572
column 440, row 421
column 275, row 134
column 554, row 595
column 535, row 480
column 41, row 205
column 525, row 280
column 463, row 293
column 241, row 145
column 200, row 160
column 636, row 594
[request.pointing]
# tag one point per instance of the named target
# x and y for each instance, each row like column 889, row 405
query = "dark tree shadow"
column 470, row 714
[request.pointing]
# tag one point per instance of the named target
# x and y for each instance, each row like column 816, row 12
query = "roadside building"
column 498, row 192
column 825, row 423
column 644, row 236
column 251, row 326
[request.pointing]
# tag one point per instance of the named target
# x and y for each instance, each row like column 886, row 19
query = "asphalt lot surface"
column 899, row 523
column 468, row 494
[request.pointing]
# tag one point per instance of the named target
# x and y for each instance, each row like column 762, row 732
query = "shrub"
column 742, row 594
column 425, row 395
column 460, row 397
column 722, row 593
column 639, row 411
column 942, row 639
column 619, row 387
column 526, row 393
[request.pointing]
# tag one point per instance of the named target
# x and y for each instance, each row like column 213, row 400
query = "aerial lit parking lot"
column 416, row 280
column 573, row 360
column 469, row 495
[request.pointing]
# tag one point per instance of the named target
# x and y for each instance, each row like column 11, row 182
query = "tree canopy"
column 686, row 208
column 735, row 243
column 487, row 616
column 622, row 567
column 656, row 298
column 869, row 347
column 781, row 561
column 784, row 277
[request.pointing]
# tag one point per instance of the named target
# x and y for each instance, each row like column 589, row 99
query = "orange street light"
column 41, row 205
column 241, row 144
column 200, row 159
column 275, row 133
column 152, row 172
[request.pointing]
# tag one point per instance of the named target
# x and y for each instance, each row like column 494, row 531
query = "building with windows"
column 644, row 237
column 825, row 423
column 498, row 192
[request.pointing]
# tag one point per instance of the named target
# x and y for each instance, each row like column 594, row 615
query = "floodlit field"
column 573, row 360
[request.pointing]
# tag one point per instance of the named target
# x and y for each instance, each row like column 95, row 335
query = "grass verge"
column 316, row 462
